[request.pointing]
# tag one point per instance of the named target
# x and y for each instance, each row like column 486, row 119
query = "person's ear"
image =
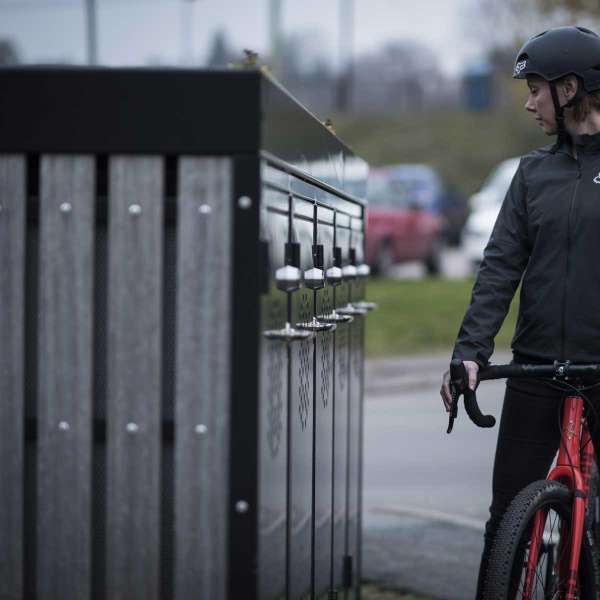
column 569, row 85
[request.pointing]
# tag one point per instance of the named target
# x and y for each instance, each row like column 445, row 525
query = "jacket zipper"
column 564, row 315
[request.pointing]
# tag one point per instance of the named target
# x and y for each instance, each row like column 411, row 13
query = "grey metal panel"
column 342, row 240
column 273, row 438
column 203, row 377
column 361, row 424
column 340, row 451
column 67, row 214
column 324, row 422
column 354, row 450
column 357, row 392
column 342, row 366
column 357, row 243
column 356, row 289
column 301, row 429
column 134, row 377
column 12, row 268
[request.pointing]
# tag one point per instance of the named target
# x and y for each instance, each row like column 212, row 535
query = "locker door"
column 355, row 386
column 300, row 417
column 273, row 386
column 340, row 563
column 323, row 433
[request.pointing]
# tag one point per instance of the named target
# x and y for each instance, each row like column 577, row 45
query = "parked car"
column 401, row 225
column 425, row 187
column 485, row 206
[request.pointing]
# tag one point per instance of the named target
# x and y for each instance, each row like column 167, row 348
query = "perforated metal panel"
column 324, row 377
column 301, row 417
column 273, row 405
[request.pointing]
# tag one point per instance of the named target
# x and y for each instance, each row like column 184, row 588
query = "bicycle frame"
column 574, row 469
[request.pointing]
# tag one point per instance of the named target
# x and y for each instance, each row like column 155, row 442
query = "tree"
column 573, row 8
column 507, row 24
column 304, row 69
column 220, row 53
column 8, row 53
column 399, row 76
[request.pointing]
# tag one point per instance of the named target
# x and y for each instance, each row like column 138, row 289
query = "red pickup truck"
column 401, row 226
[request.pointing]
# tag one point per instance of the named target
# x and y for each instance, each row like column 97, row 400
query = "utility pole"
column 187, row 32
column 275, row 35
column 346, row 58
column 91, row 32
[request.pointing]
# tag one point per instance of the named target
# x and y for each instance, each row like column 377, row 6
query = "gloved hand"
column 472, row 368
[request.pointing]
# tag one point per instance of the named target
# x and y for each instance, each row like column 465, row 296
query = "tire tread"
column 512, row 527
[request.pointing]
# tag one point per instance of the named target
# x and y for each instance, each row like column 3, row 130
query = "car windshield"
column 385, row 191
column 356, row 188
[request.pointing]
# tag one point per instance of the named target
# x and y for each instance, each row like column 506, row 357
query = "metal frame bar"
column 278, row 188
column 243, row 465
column 291, row 170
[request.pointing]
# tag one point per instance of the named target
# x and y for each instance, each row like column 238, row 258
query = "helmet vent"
column 540, row 34
column 588, row 31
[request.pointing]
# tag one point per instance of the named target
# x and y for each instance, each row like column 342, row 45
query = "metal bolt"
column 241, row 506
column 64, row 426
column 132, row 427
column 66, row 207
column 245, row 202
column 135, row 210
column 201, row 429
column 204, row 209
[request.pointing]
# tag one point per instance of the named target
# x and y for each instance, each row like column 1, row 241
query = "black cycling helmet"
column 558, row 52
column 562, row 51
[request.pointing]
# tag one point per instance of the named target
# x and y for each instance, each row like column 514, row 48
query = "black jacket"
column 548, row 234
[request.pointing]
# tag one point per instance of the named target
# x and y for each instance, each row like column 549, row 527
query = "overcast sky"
column 133, row 32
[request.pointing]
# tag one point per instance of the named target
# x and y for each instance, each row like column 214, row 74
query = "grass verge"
column 421, row 316
column 372, row 592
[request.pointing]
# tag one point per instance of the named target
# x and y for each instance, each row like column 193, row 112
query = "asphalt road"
column 426, row 493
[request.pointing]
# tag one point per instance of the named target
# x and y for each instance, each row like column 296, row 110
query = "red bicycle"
column 545, row 547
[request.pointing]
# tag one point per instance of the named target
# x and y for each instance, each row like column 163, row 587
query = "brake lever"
column 459, row 385
column 453, row 407
column 458, row 379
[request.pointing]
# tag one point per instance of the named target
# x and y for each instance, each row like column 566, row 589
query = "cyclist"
column 548, row 235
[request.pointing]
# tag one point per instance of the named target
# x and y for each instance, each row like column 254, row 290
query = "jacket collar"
column 585, row 144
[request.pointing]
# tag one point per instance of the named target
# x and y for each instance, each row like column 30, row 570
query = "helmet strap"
column 560, row 118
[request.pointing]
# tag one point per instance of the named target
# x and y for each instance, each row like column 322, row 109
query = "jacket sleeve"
column 504, row 261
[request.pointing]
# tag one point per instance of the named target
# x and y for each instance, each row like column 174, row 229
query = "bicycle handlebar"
column 556, row 371
column 459, row 383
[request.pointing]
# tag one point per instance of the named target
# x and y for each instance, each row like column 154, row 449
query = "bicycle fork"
column 573, row 468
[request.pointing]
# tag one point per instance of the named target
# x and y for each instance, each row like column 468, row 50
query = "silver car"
column 485, row 206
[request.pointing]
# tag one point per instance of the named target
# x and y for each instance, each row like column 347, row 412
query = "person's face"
column 539, row 104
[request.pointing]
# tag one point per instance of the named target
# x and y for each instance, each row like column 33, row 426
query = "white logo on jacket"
column 597, row 178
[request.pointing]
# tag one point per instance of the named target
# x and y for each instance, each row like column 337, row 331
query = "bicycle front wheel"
column 525, row 564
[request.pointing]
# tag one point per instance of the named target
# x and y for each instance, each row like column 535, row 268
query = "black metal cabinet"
column 197, row 239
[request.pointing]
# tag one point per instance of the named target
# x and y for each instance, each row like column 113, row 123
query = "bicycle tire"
column 592, row 516
column 506, row 567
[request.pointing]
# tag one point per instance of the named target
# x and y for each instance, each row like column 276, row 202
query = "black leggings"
column 528, row 441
